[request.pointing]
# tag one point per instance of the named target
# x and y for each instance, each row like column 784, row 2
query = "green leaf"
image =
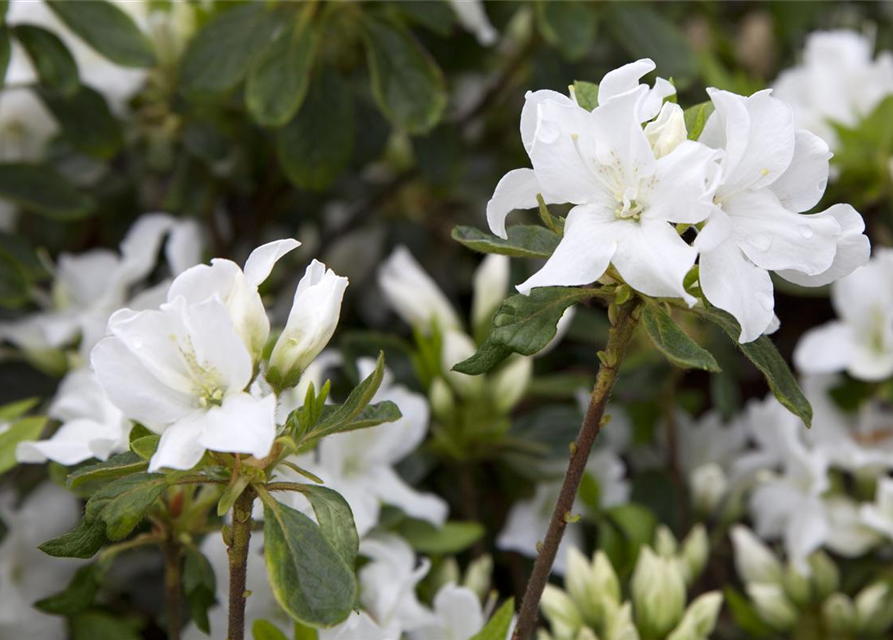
column 278, row 81
column 40, row 189
column 522, row 324
column 765, row 357
column 586, row 94
column 315, row 147
column 99, row 625
column 5, row 53
column 524, row 241
column 199, row 585
column 223, row 50
column 406, row 83
column 77, row 596
column 567, row 26
column 497, row 628
column 335, row 520
column 696, row 117
column 86, row 121
column 452, row 537
column 14, row 287
column 371, row 416
column 123, row 503
column 54, row 64
column 17, row 409
column 264, row 630
column 21, row 431
column 81, row 542
column 308, row 575
column 146, row 446
column 674, row 343
column 107, row 29
column 118, row 466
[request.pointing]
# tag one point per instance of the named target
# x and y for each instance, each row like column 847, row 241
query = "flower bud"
column 695, row 552
column 754, row 561
column 446, row 572
column 585, row 633
column 458, row 346
column 658, row 593
column 665, row 543
column 441, row 397
column 560, row 611
column 825, row 575
column 619, row 623
column 707, row 484
column 839, row 614
column 413, row 295
column 874, row 608
column 311, row 323
column 667, row 131
column 797, row 586
column 773, row 606
column 478, row 575
column 491, row 283
column 509, row 383
column 699, row 619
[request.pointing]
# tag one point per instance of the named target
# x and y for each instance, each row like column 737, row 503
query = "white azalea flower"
column 457, row 615
column 625, row 195
column 848, row 533
column 771, row 173
column 473, row 17
column 360, row 464
column 861, row 341
column 837, row 82
column 879, row 515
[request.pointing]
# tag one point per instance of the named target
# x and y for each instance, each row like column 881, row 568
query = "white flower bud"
column 560, row 611
column 695, row 552
column 825, row 575
column 479, row 574
column 665, row 543
column 874, row 608
column 491, row 283
column 585, row 633
column 441, row 397
column 510, row 381
column 658, row 593
column 708, row 485
column 754, row 561
column 773, row 606
column 839, row 614
column 699, row 619
column 458, row 346
column 311, row 323
column 797, row 586
column 619, row 622
column 668, row 130
column 607, row 584
column 413, row 295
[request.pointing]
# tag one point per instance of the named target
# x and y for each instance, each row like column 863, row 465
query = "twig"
column 238, row 543
column 171, row 551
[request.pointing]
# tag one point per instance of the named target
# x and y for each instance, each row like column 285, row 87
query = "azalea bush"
column 446, row 320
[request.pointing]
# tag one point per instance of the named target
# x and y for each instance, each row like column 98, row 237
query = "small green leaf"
column 99, row 625
column 264, row 630
column 14, row 287
column 308, row 575
column 221, row 53
column 696, row 118
column 497, row 628
column 81, row 542
column 106, row 28
column 371, row 416
column 586, row 94
column 406, row 83
column 21, row 431
column 118, row 466
column 54, row 64
column 40, row 189
column 278, row 81
column 233, row 490
column 5, row 53
column 123, row 503
column 674, row 343
column 568, row 26
column 765, row 357
column 315, row 147
column 86, row 121
column 335, row 520
column 77, row 596
column 200, row 586
column 17, row 409
column 523, row 324
column 452, row 537
column 524, row 241
column 146, row 446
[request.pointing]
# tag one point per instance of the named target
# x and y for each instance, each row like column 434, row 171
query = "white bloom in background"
column 473, row 17
column 837, row 82
column 848, row 533
column 458, row 346
column 771, row 173
column 861, row 341
column 360, row 464
column 458, row 615
column 754, row 561
column 28, row 574
column 491, row 284
column 625, row 195
column 879, row 515
column 414, row 295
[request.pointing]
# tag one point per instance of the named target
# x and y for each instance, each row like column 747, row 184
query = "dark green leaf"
column 645, row 33
column 19, row 251
column 86, row 121
column 278, row 81
column 335, row 520
column 406, row 83
column 14, row 287
column 434, row 15
column 452, row 537
column 77, row 596
column 586, row 94
column 315, row 147
column 371, row 416
column 567, row 26
column 308, row 576
column 81, row 542
column 264, row 630
column 5, row 53
column 524, row 241
column 54, row 64
column 497, row 628
column 99, row 625
column 522, row 324
column 123, row 503
column 674, row 343
column 199, row 585
column 765, row 357
column 17, row 409
column 696, row 117
column 39, row 188
column 21, row 431
column 146, row 446
column 108, row 30
column 221, row 53
column 118, row 466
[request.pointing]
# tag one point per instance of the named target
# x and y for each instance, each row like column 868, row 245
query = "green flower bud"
column 695, row 553
column 665, row 543
column 825, row 575
column 754, row 561
column 509, row 383
column 658, row 593
column 874, row 608
column 479, row 574
column 442, row 401
column 699, row 619
column 839, row 614
column 773, row 606
column 797, row 586
column 561, row 612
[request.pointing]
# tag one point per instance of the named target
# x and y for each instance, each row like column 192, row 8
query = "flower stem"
column 618, row 339
column 238, row 542
column 171, row 552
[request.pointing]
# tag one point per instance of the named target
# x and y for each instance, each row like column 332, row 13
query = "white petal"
column 530, row 112
column 733, row 283
column 413, row 294
column 179, row 446
column 262, row 260
column 140, row 247
column 803, row 183
column 825, row 349
column 70, row 445
column 589, row 243
column 806, row 533
column 619, row 140
column 392, row 489
column 184, row 246
column 516, row 190
column 871, row 364
column 242, row 424
column 685, row 181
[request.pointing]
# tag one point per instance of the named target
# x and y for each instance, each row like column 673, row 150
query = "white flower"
column 754, row 561
column 92, row 427
column 311, row 323
column 861, row 341
column 473, row 17
column 458, row 346
column 457, row 615
column 414, row 295
column 879, row 515
column 848, row 533
column 625, row 196
column 771, row 172
column 837, row 82
column 360, row 464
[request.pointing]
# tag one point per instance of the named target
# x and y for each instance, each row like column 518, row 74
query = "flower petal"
column 179, row 447
column 392, row 489
column 685, row 181
column 803, row 183
column 825, row 349
column 242, row 424
column 516, row 190
column 262, row 260
column 530, row 113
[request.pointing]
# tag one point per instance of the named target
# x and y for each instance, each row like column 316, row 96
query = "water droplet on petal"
column 806, row 231
column 760, row 242
column 548, row 132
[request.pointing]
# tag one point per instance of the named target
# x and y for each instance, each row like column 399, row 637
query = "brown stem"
column 624, row 324
column 238, row 543
column 171, row 550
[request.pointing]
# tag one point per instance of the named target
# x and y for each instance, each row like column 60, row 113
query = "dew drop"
column 806, row 231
